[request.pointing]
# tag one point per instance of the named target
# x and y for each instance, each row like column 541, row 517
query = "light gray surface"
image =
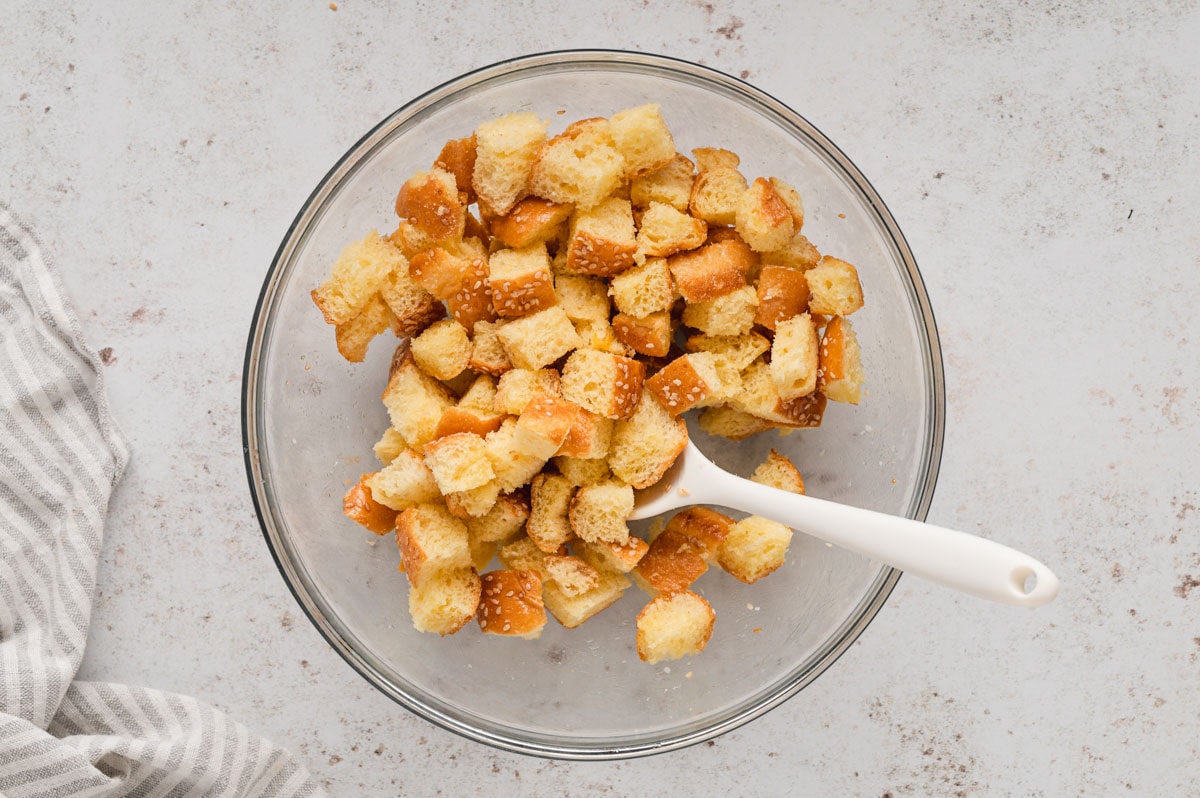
column 1042, row 162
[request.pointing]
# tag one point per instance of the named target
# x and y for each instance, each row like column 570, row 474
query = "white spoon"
column 957, row 560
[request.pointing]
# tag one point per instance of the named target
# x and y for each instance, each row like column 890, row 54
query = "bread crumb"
column 687, row 675
column 684, row 492
column 333, row 6
column 757, row 629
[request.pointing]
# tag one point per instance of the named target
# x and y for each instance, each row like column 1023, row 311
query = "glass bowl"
column 310, row 419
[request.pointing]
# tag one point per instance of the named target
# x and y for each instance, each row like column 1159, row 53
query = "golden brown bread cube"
column 762, row 218
column 431, row 202
column 835, row 288
column 685, row 381
column 549, row 501
column 730, row 314
column 518, row 386
column 602, row 240
column 674, row 625
column 644, row 289
column 430, row 540
column 663, row 231
column 505, row 150
column 520, row 281
column 649, row 336
column 471, row 302
column 840, row 374
column 599, row 512
column 539, row 339
column 712, row 271
column 404, row 482
column 354, row 337
column 670, row 184
column 442, row 350
column 487, row 350
column 643, row 139
column 755, row 547
column 414, row 400
column 581, row 166
column 794, row 357
column 357, row 276
column 446, row 601
column 646, row 444
column 779, row 472
column 458, row 158
column 510, row 604
column 606, row 384
column 361, row 507
column 533, row 220
column 782, row 294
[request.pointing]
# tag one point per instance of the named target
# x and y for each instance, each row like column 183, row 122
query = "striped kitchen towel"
column 60, row 458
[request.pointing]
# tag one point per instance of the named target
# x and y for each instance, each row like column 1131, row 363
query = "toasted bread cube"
column 607, row 385
column 438, row 271
column 431, row 202
column 791, row 198
column 482, row 551
column 544, row 425
column 573, row 576
column 409, row 240
column 474, row 502
column 779, row 472
column 459, row 462
column 620, row 557
column 672, row 563
column 582, row 298
column 794, row 357
column 686, row 381
column 513, row 468
column 670, row 184
column 716, row 194
column 442, row 350
column 712, row 271
column 601, row 240
column 580, row 166
column 413, row 308
column 472, row 300
column 590, row 436
column 737, row 351
column 389, row 446
column 549, row 500
column 476, row 422
column 414, row 400
column 799, row 253
column 487, row 350
column 643, row 289
column 405, row 482
column 505, row 150
column 674, row 626
column 646, row 336
column 431, row 540
column 573, row 611
column 754, row 548
column 759, row 397
column 647, row 444
column 458, row 158
column 763, row 219
column 782, row 294
column 518, row 386
column 582, row 471
column 600, row 512
column 835, row 288
column 510, row 604
column 446, row 601
column 355, row 336
column 533, row 220
column 360, row 506
column 729, row 314
column 732, row 424
column 503, row 522
column 522, row 554
column 520, row 281
column 664, row 231
column 537, row 340
column 705, row 528
column 840, row 374
column 709, row 158
column 598, row 335
column 358, row 275
column 643, row 139
column 480, row 395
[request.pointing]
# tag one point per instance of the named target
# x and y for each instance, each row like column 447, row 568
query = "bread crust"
column 711, row 271
column 360, row 507
column 510, row 604
column 532, row 220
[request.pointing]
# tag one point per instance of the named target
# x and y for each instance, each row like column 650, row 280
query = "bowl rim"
column 876, row 595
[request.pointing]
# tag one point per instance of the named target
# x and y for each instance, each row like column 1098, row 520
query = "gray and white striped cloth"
column 60, row 458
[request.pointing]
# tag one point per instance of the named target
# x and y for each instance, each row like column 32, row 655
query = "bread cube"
column 571, row 611
column 647, row 444
column 573, row 576
column 716, row 193
column 607, row 385
column 600, row 512
column 582, row 298
column 518, row 386
column 580, row 166
column 794, row 357
column 686, row 381
column 457, row 419
column 513, row 468
column 480, row 395
column 473, row 502
column 673, row 626
column 487, row 350
column 520, row 281
column 442, row 350
column 791, row 198
column 590, row 436
column 664, row 231
column 736, row 351
column 438, row 271
column 763, row 219
column 646, row 336
column 360, row 506
column 835, row 288
column 605, row 555
column 537, row 340
column 840, row 373
column 732, row 424
column 458, row 158
column 409, row 240
column 759, row 397
column 643, row 289
column 799, row 253
column 729, row 314
column 459, row 462
column 355, row 336
column 643, row 139
column 582, row 471
column 389, row 446
column 406, row 481
column 709, row 158
column 431, row 202
column 671, row 184
column 544, row 425
column 505, row 150
column 522, row 554
column 601, row 240
column 782, row 294
column 549, row 500
column 430, row 539
column 503, row 522
column 472, row 300
column 533, row 220
column 510, row 604
column 754, row 547
column 413, row 308
column 482, row 551
column 703, row 528
column 358, row 275
column 779, row 472
column 711, row 271
column 672, row 563
column 446, row 601
column 414, row 400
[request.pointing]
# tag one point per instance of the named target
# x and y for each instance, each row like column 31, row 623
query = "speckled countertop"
column 1041, row 158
